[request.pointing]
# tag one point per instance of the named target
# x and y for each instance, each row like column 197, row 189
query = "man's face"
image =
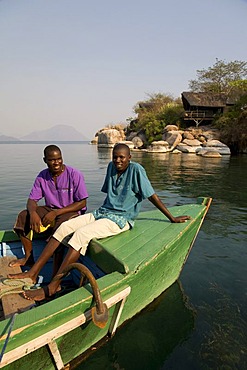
column 121, row 159
column 54, row 162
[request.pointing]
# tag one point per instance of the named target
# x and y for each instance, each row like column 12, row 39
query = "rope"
column 11, row 286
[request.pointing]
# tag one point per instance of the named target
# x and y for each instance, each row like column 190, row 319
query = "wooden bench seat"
column 129, row 250
column 119, row 253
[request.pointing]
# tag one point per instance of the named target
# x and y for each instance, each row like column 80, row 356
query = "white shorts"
column 84, row 228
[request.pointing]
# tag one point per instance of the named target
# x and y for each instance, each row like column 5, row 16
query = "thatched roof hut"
column 203, row 106
column 203, row 99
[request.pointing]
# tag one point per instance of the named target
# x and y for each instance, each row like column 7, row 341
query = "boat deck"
column 11, row 302
column 129, row 251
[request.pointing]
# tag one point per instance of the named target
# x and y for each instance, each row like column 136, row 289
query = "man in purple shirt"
column 64, row 192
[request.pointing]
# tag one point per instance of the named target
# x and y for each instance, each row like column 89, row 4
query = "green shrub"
column 233, row 126
column 154, row 114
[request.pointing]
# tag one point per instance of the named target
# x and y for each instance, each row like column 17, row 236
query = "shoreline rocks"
column 203, row 141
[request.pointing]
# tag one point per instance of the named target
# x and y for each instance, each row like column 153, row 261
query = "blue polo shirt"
column 124, row 194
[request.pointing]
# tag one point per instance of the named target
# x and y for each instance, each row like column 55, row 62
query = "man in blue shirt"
column 126, row 185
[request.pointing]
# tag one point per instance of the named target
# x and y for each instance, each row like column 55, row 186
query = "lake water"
column 200, row 322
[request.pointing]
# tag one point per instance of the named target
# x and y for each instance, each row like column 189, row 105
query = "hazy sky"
column 87, row 63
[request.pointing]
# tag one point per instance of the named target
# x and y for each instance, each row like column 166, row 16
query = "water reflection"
column 104, row 154
column 188, row 174
column 149, row 338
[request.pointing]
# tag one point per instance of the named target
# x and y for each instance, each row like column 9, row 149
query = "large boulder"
column 209, row 153
column 184, row 148
column 109, row 137
column 173, row 138
column 188, row 135
column 131, row 135
column 137, row 141
column 94, row 141
column 139, row 135
column 170, row 128
column 193, row 142
column 220, row 150
column 217, row 146
column 189, row 146
column 160, row 146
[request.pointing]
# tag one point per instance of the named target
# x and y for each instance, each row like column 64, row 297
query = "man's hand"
column 48, row 218
column 35, row 221
column 161, row 206
column 180, row 219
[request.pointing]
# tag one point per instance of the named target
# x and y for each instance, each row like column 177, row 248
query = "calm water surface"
column 200, row 322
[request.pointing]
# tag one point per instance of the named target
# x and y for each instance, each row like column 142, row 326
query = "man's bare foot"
column 40, row 294
column 22, row 275
column 22, row 262
column 17, row 262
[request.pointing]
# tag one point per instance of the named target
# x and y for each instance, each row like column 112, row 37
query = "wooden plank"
column 56, row 354
column 12, row 303
column 116, row 317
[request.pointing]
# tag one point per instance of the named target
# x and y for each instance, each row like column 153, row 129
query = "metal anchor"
column 100, row 311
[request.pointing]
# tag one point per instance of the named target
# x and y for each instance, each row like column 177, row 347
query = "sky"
column 86, row 64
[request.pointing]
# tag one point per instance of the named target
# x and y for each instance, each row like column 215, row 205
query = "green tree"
column 221, row 78
column 155, row 113
column 233, row 126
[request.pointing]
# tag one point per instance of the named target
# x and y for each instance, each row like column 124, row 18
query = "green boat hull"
column 140, row 264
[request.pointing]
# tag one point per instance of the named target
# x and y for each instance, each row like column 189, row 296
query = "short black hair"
column 122, row 146
column 51, row 148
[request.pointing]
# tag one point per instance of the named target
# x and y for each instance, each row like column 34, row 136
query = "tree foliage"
column 233, row 126
column 155, row 113
column 222, row 78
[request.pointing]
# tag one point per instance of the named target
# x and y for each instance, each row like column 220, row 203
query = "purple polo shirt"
column 70, row 188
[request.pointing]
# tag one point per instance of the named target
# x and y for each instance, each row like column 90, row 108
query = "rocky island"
column 202, row 140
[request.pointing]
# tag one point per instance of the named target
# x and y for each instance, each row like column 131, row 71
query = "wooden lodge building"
column 203, row 107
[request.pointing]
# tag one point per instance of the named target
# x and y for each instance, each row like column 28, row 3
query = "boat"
column 117, row 279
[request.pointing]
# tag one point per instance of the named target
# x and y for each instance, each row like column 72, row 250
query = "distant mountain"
column 56, row 133
column 8, row 138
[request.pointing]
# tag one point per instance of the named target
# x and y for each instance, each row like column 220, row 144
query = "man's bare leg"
column 48, row 291
column 58, row 258
column 28, row 259
column 47, row 252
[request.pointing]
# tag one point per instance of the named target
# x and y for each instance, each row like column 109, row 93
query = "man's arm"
column 160, row 205
column 74, row 207
column 35, row 221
